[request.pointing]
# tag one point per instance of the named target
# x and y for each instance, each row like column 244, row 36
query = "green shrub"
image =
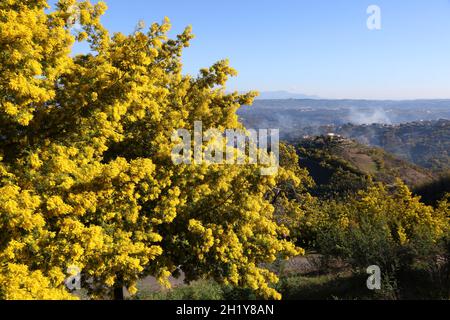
column 198, row 290
column 388, row 228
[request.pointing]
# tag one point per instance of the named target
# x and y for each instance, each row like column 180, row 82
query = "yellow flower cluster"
column 86, row 176
column 19, row 283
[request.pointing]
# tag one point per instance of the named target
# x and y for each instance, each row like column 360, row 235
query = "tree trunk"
column 118, row 292
column 118, row 289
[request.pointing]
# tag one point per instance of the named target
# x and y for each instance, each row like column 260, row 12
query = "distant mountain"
column 342, row 166
column 275, row 95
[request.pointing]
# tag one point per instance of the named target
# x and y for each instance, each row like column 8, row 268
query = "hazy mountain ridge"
column 415, row 130
column 291, row 115
column 280, row 94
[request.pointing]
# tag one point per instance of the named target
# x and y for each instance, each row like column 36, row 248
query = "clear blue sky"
column 316, row 47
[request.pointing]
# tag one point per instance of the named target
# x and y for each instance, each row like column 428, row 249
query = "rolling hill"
column 340, row 166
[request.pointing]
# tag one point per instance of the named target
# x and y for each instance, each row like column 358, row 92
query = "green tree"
column 388, row 227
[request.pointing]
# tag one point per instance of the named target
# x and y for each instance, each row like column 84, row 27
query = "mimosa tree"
column 86, row 176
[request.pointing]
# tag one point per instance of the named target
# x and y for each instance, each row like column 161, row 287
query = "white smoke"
column 368, row 116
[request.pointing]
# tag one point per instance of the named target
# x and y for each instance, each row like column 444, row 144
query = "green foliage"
column 333, row 175
column 291, row 200
column 388, row 228
column 199, row 290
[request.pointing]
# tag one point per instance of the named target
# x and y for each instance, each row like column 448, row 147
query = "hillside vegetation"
column 342, row 166
column 425, row 143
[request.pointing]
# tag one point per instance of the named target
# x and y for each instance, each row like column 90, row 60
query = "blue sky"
column 315, row 47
